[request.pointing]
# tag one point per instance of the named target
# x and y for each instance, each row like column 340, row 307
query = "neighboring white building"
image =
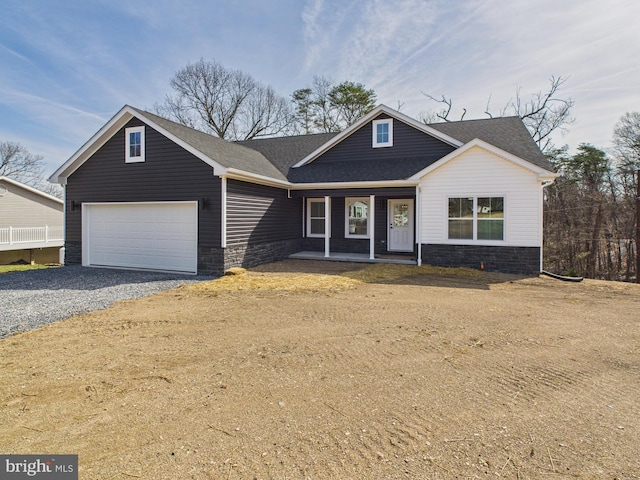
column 31, row 224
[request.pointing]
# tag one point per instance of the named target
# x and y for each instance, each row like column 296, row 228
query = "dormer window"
column 134, row 145
column 383, row 133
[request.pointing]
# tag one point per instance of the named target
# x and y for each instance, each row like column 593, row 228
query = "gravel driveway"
column 34, row 298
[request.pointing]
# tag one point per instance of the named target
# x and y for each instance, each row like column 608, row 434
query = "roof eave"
column 354, row 184
column 92, row 145
column 31, row 189
column 242, row 175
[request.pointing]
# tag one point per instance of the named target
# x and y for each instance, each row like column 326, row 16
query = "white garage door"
column 152, row 236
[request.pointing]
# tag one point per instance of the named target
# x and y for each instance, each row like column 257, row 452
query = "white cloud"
column 66, row 61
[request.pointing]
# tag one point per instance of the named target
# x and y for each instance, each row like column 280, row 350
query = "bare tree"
column 626, row 141
column 227, row 103
column 443, row 114
column 20, row 164
column 543, row 114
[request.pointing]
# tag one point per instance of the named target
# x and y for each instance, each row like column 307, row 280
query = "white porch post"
column 418, row 225
column 371, row 221
column 223, row 207
column 327, row 226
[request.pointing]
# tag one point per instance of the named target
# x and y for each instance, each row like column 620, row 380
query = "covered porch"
column 374, row 225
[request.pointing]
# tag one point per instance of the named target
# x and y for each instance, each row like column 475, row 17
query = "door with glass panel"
column 400, row 233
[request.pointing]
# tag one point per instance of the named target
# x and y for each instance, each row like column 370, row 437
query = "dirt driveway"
column 421, row 377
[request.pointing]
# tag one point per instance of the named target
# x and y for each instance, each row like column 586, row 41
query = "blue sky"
column 68, row 66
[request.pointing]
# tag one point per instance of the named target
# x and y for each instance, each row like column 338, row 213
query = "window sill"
column 361, row 237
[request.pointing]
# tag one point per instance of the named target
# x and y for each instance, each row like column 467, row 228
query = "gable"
column 355, row 158
column 219, row 154
column 106, row 170
column 408, row 142
column 488, row 149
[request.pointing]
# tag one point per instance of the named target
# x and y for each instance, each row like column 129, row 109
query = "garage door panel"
column 157, row 236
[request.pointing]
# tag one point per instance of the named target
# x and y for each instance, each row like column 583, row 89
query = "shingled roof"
column 275, row 158
column 283, row 152
column 506, row 133
column 228, row 154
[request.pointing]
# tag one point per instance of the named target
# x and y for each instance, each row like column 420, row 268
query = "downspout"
column 63, row 251
column 543, row 184
column 541, row 227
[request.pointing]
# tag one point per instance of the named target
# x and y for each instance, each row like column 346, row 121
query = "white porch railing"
column 31, row 235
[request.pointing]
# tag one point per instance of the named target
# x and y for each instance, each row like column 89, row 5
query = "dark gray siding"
column 407, row 143
column 355, row 160
column 258, row 213
column 169, row 173
column 520, row 260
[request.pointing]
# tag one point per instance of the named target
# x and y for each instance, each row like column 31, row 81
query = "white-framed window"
column 382, row 133
column 316, row 216
column 356, row 214
column 476, row 218
column 134, row 145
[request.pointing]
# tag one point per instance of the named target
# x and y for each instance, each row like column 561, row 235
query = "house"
column 30, row 224
column 145, row 192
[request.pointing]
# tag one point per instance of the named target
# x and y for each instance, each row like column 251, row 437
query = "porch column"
column 418, row 225
column 223, row 207
column 371, row 220
column 327, row 226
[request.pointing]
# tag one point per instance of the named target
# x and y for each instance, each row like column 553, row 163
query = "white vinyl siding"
column 22, row 208
column 479, row 173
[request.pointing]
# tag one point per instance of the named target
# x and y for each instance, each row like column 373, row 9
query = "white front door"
column 400, row 232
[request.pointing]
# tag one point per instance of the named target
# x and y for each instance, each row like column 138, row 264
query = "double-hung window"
column 357, row 217
column 476, row 218
column 383, row 133
column 315, row 217
column 134, row 145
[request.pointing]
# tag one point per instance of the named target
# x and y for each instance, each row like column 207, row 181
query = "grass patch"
column 284, row 282
column 22, row 268
column 239, row 279
column 385, row 272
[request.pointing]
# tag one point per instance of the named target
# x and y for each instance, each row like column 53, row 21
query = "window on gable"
column 383, row 133
column 357, row 217
column 476, row 218
column 315, row 217
column 134, row 145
